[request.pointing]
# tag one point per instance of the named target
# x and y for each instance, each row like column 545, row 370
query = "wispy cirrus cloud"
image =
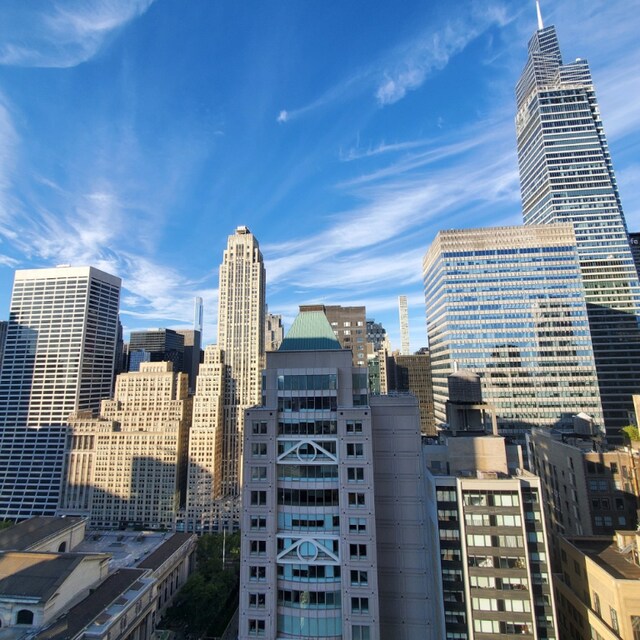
column 62, row 33
column 408, row 66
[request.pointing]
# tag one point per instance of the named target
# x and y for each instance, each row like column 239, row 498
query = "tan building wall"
column 129, row 465
column 599, row 590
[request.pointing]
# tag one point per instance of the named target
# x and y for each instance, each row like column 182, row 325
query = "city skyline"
column 375, row 126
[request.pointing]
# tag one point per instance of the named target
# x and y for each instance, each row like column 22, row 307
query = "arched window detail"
column 24, row 617
column 63, row 547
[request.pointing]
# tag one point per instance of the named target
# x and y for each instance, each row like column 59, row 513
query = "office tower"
column 274, row 331
column 120, row 361
column 205, row 445
column 127, row 467
column 156, row 345
column 589, row 487
column 508, row 304
column 241, row 311
column 376, row 336
column 323, row 554
column 495, row 568
column 566, row 175
column 412, row 374
column 59, row 357
column 349, row 326
column 634, row 244
column 191, row 355
column 598, row 588
column 403, row 309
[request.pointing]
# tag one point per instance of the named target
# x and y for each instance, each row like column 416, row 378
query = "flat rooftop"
column 127, row 548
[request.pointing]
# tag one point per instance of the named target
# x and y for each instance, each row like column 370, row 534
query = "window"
column 258, row 498
column 24, row 617
column 359, row 577
column 359, row 605
column 596, row 603
column 356, row 499
column 259, row 428
column 258, row 474
column 357, row 551
column 614, row 619
column 258, row 522
column 354, row 427
column 355, row 474
column 256, row 627
column 360, row 632
column 257, row 574
column 357, row 525
column 258, row 449
column 355, row 450
column 257, row 600
column 258, row 547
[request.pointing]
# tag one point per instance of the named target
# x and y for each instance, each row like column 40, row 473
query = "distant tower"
column 273, row 331
column 404, row 325
column 241, row 312
column 566, row 175
column 58, row 359
column 198, row 314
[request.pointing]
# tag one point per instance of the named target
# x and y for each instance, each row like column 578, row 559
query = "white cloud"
column 62, row 34
column 283, row 116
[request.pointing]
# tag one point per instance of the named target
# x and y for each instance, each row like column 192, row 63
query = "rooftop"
column 24, row 535
column 155, row 559
column 94, row 605
column 35, row 575
column 604, row 552
column 310, row 331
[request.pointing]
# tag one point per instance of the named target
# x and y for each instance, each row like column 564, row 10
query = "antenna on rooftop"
column 540, row 23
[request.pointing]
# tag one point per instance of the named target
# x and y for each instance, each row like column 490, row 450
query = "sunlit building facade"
column 508, row 304
column 566, row 175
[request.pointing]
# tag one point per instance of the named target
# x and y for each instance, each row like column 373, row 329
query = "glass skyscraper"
column 566, row 175
column 508, row 303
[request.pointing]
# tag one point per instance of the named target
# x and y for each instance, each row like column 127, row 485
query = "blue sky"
column 136, row 135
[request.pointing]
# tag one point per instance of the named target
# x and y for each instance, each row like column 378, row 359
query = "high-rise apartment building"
column 204, row 478
column 128, row 466
column 403, row 312
column 494, row 561
column 376, row 336
column 508, row 304
column 566, row 175
column 241, row 310
column 349, row 325
column 58, row 359
column 334, row 537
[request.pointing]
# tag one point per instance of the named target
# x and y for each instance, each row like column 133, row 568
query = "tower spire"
column 540, row 23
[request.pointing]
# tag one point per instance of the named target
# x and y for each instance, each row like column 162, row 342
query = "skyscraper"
column 403, row 310
column 566, row 175
column 58, row 359
column 335, row 540
column 508, row 304
column 156, row 345
column 241, row 310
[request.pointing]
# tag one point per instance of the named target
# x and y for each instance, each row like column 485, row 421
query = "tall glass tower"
column 566, row 175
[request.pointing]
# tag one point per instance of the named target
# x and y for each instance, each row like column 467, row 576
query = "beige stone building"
column 599, row 587
column 128, row 466
column 204, row 476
